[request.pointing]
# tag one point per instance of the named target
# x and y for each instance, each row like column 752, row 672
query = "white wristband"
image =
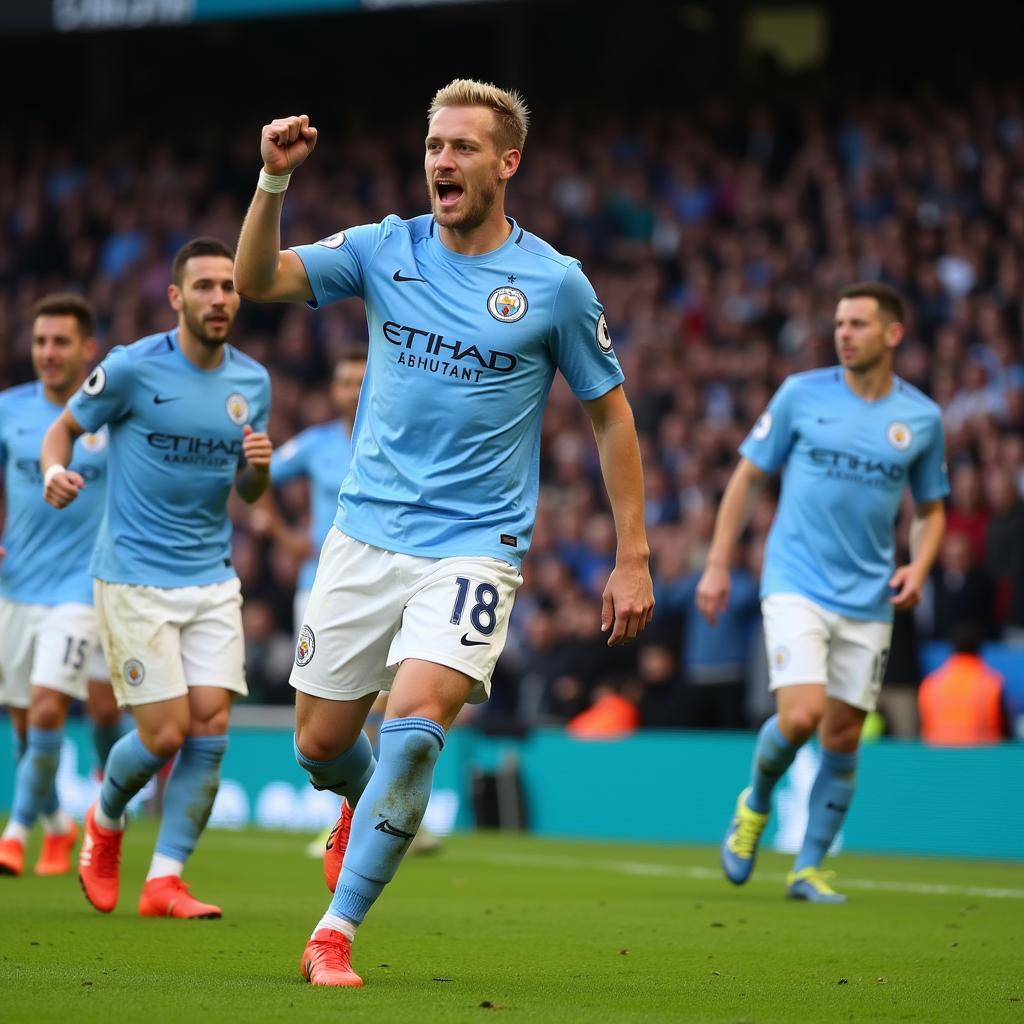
column 273, row 182
column 52, row 472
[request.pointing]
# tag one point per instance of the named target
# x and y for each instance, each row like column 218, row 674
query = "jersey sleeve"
column 259, row 421
column 106, row 395
column 929, row 480
column 579, row 340
column 291, row 460
column 772, row 436
column 335, row 265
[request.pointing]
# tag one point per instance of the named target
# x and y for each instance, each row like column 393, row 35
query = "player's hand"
column 63, row 488
column 256, row 448
column 908, row 582
column 286, row 142
column 627, row 603
column 713, row 592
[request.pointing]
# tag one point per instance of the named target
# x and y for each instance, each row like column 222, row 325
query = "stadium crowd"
column 717, row 239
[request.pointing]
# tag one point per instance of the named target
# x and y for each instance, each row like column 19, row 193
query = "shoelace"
column 333, row 955
column 819, row 880
column 744, row 839
column 107, row 856
column 339, row 834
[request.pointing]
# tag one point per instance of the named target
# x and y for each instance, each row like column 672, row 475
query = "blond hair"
column 511, row 116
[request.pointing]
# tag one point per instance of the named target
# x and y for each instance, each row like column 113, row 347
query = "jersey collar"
column 444, row 253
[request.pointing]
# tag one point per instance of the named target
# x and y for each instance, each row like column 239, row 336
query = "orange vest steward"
column 960, row 704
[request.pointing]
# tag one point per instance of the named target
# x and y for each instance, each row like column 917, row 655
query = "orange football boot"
column 12, row 857
column 168, row 896
column 337, row 842
column 99, row 862
column 326, row 960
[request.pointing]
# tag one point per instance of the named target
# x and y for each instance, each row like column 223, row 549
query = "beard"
column 211, row 338
column 476, row 207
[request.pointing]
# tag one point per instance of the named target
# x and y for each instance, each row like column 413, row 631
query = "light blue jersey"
column 320, row 455
column 845, row 463
column 48, row 550
column 462, row 353
column 175, row 447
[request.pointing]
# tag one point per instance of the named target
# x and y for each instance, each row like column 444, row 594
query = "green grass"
column 521, row 929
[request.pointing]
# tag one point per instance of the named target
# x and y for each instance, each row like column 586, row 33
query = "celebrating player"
column 469, row 318
column 49, row 645
column 849, row 438
column 186, row 414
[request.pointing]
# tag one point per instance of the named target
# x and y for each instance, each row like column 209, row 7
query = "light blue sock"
column 389, row 813
column 129, row 767
column 189, row 795
column 772, row 756
column 34, row 780
column 105, row 736
column 829, row 801
column 347, row 774
column 50, row 803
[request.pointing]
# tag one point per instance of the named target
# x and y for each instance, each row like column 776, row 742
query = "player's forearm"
column 58, row 443
column 624, row 480
column 926, row 532
column 733, row 512
column 251, row 482
column 259, row 245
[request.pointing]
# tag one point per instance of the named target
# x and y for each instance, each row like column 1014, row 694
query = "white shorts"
column 56, row 646
column 809, row 644
column 299, row 603
column 160, row 641
column 370, row 609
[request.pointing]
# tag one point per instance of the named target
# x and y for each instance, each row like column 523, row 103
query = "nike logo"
column 828, row 419
column 389, row 830
column 835, row 807
column 160, row 401
column 397, row 276
column 26, row 430
column 466, row 642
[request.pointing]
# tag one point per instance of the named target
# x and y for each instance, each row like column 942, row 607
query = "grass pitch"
column 521, row 929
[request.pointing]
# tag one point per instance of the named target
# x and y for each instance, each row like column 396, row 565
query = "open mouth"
column 217, row 321
column 448, row 193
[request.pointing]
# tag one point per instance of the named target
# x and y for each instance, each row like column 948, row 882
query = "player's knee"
column 211, row 725
column 47, row 711
column 798, row 724
column 165, row 739
column 841, row 739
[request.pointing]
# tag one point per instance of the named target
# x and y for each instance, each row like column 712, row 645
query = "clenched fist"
column 286, row 142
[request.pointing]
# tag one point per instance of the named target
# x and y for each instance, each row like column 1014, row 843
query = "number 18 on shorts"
column 371, row 609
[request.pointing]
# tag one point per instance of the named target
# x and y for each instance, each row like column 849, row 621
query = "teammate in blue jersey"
column 320, row 455
column 49, row 643
column 848, row 440
column 186, row 414
column 469, row 318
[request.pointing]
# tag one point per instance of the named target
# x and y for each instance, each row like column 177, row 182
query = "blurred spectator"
column 967, row 514
column 960, row 592
column 269, row 651
column 713, row 657
column 962, row 701
column 1005, row 550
